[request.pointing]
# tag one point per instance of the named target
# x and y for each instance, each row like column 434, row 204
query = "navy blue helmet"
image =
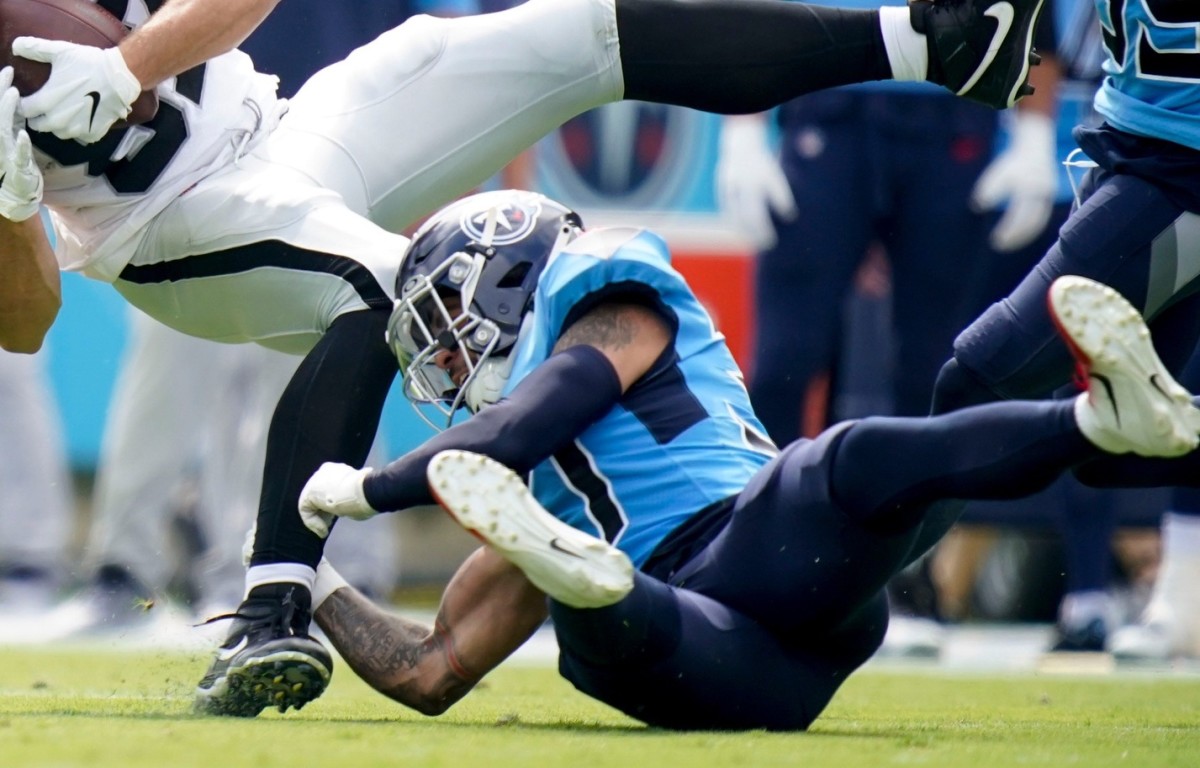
column 467, row 283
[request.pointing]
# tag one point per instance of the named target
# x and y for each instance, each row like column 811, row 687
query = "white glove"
column 334, row 490
column 1026, row 175
column 89, row 89
column 20, row 179
column 750, row 181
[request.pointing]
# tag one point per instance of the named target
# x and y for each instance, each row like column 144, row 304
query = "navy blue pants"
column 868, row 166
column 1129, row 234
column 762, row 626
column 1126, row 233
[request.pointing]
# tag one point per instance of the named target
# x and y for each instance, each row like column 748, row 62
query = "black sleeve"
column 551, row 407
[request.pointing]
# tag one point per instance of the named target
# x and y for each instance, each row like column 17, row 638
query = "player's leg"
column 457, row 99
column 801, row 282
column 1124, row 235
column 749, row 56
column 942, row 149
column 843, row 512
column 664, row 655
column 163, row 399
column 259, row 254
column 1169, row 627
column 677, row 659
column 36, row 509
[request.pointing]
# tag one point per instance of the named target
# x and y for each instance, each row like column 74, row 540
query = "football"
column 76, row 21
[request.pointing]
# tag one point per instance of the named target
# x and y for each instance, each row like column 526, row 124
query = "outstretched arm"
column 597, row 359
column 30, row 291
column 30, row 287
column 89, row 88
column 488, row 610
column 184, row 33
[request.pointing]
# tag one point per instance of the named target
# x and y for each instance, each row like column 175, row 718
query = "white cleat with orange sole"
column 490, row 501
column 1132, row 404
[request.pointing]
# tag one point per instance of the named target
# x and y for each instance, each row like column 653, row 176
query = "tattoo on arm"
column 608, row 326
column 405, row 660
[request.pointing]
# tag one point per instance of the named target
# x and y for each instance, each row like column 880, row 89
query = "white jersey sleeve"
column 102, row 196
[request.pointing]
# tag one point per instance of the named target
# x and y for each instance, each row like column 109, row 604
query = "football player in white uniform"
column 234, row 216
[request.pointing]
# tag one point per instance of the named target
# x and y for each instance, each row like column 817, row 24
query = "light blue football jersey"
column 1152, row 82
column 682, row 438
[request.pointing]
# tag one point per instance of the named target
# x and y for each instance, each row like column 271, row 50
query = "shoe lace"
column 281, row 619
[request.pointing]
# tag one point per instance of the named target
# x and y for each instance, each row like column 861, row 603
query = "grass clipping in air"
column 128, row 710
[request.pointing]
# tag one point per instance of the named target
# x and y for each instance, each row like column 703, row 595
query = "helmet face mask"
column 464, row 293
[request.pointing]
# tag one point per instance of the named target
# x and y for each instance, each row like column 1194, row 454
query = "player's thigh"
column 790, row 558
column 436, row 106
column 257, row 254
column 1121, row 235
column 727, row 672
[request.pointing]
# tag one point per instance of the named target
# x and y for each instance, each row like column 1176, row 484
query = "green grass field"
column 121, row 709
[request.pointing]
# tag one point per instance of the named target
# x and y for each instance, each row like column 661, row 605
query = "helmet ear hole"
column 515, row 277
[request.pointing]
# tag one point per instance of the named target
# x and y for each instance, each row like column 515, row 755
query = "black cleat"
column 1089, row 638
column 980, row 49
column 268, row 660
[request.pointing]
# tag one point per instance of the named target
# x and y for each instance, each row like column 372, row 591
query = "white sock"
column 1181, row 534
column 1175, row 589
column 907, row 50
column 328, row 581
column 293, row 573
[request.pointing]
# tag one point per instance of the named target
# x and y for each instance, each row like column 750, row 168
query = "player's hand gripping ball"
column 90, row 90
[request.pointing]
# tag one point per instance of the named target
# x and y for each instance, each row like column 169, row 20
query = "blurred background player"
column 851, row 187
column 37, row 501
column 1169, row 627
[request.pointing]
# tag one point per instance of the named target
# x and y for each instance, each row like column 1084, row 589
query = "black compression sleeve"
column 557, row 401
column 744, row 56
column 328, row 412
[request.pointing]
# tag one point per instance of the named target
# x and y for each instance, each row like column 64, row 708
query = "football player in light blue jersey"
column 697, row 577
column 1152, row 83
column 1135, row 227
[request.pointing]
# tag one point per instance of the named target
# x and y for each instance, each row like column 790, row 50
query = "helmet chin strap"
column 487, row 384
column 491, row 376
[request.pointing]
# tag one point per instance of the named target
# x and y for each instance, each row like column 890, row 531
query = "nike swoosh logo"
column 1108, row 387
column 95, row 97
column 1003, row 14
column 225, row 654
column 555, row 545
column 2, row 177
column 1156, row 382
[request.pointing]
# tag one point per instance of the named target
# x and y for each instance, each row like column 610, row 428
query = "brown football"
column 76, row 21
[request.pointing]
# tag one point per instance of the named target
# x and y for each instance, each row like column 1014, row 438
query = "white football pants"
column 187, row 408
column 403, row 125
column 37, row 514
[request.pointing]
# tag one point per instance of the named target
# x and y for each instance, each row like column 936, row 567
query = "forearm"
column 551, row 407
column 184, row 33
column 488, row 610
column 30, row 285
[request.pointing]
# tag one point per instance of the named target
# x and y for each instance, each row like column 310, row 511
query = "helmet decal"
column 504, row 224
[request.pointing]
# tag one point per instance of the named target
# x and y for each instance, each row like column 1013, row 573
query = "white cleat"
column 490, row 501
column 1132, row 404
column 1151, row 641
